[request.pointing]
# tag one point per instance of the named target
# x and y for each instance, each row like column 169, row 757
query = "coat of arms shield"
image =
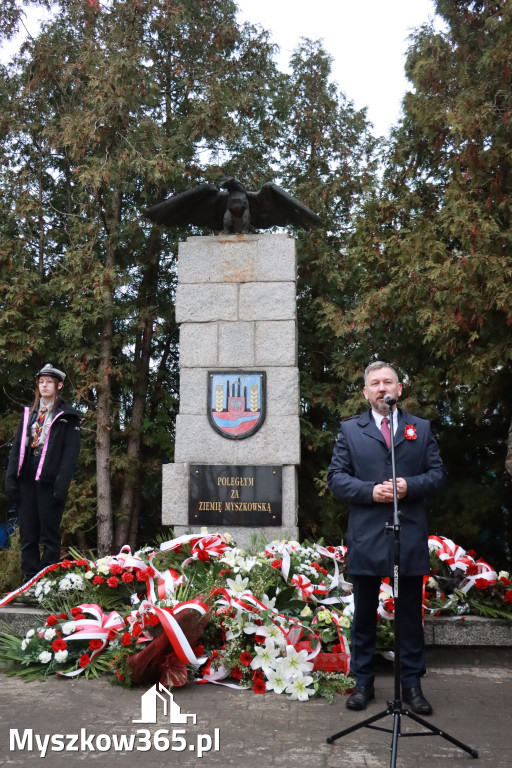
column 236, row 402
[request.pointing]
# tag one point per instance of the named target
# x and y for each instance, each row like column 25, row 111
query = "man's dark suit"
column 361, row 460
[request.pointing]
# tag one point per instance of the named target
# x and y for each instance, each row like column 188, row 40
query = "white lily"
column 265, row 656
column 295, row 662
column 277, row 680
column 237, row 586
column 298, row 689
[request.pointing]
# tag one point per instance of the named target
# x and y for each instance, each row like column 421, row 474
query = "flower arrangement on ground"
column 199, row 608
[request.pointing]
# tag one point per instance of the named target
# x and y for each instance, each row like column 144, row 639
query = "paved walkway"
column 240, row 728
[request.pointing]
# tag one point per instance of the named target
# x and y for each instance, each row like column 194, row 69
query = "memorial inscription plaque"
column 235, row 495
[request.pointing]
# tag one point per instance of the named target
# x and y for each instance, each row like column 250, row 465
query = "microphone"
column 390, row 400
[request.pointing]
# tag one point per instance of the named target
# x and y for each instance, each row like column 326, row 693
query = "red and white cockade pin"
column 410, row 432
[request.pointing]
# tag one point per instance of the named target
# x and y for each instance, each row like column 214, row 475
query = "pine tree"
column 112, row 107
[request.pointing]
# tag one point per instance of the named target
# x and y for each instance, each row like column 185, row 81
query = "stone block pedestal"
column 236, row 306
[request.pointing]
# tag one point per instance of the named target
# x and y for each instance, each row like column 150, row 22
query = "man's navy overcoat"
column 361, row 459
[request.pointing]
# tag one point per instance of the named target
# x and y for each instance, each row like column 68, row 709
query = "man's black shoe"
column 360, row 697
column 415, row 699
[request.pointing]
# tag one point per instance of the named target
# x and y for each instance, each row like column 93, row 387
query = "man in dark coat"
column 360, row 473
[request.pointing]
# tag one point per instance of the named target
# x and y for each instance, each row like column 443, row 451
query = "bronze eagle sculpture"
column 229, row 208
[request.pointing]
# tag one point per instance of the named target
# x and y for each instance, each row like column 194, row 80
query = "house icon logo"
column 159, row 695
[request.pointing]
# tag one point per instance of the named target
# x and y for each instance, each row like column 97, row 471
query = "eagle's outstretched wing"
column 203, row 206
column 272, row 206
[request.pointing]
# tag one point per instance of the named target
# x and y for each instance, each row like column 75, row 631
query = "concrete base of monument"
column 175, row 509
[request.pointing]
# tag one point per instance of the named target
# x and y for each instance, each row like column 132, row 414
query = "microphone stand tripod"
column 395, row 708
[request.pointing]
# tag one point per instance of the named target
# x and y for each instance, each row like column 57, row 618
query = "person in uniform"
column 42, row 462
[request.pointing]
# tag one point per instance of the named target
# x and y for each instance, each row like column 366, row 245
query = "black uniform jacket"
column 59, row 453
column 361, row 459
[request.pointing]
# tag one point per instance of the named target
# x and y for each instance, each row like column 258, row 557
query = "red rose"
column 126, row 638
column 508, row 596
column 85, row 659
column 471, row 553
column 95, row 644
column 59, row 644
column 98, row 580
column 245, row 658
column 113, row 582
column 471, row 570
column 199, row 650
column 127, row 577
column 505, row 581
column 481, row 583
column 112, row 634
column 259, row 686
column 52, row 620
column 116, row 569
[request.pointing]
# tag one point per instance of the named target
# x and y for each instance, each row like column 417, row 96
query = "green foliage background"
column 117, row 104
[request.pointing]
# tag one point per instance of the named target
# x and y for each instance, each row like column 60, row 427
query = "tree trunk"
column 103, row 425
column 128, row 523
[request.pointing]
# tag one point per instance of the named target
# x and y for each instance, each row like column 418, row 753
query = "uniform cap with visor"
column 49, row 370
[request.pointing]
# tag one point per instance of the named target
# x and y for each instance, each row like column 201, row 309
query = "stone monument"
column 237, row 443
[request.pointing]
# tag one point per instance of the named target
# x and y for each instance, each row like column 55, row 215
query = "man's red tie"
column 384, row 428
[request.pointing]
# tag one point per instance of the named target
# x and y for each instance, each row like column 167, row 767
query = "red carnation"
column 259, row 686
column 126, row 638
column 66, row 564
column 152, row 619
column 481, row 583
column 59, row 644
column 63, row 616
column 95, row 644
column 82, row 562
column 85, row 659
column 137, row 630
column 75, row 611
column 245, row 658
column 116, row 569
column 277, row 564
column 52, row 620
column 113, row 582
column 112, row 634
column 127, row 577
column 98, row 580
